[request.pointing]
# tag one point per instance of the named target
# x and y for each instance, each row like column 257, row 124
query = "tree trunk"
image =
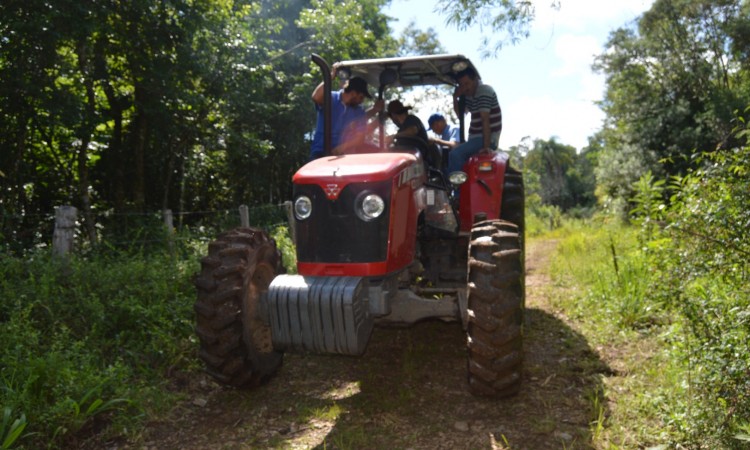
column 139, row 148
column 117, row 105
column 84, row 135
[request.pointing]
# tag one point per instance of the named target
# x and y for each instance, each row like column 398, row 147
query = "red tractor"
column 381, row 239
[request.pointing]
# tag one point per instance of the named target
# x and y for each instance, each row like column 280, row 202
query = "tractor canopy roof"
column 406, row 71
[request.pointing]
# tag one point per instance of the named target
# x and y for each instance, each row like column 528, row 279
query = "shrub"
column 701, row 259
column 89, row 340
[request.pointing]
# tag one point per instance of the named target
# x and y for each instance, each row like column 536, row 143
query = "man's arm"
column 407, row 131
column 317, row 95
column 444, row 143
column 403, row 132
column 375, row 108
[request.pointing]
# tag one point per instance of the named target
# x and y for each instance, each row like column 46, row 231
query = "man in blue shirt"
column 449, row 135
column 348, row 119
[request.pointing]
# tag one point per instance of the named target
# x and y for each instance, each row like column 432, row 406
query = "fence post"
column 292, row 222
column 63, row 237
column 169, row 227
column 168, row 220
column 244, row 216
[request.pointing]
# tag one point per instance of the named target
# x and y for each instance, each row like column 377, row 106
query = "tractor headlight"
column 302, row 207
column 458, row 177
column 369, row 206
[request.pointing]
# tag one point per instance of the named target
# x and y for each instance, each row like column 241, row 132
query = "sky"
column 544, row 83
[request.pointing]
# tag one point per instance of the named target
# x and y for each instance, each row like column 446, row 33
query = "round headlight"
column 302, row 207
column 458, row 177
column 370, row 206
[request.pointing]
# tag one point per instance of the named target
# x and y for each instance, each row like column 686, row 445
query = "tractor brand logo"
column 332, row 191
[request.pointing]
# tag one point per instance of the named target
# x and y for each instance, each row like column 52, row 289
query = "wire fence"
column 130, row 231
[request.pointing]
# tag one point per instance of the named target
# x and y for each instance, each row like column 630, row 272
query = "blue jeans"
column 459, row 155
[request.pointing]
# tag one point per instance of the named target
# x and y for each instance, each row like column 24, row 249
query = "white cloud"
column 545, row 117
column 544, row 83
column 577, row 53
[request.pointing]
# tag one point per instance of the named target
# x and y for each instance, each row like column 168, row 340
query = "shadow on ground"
column 408, row 391
column 413, row 393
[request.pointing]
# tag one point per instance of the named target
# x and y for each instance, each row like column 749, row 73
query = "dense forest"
column 197, row 105
column 147, row 105
column 120, row 107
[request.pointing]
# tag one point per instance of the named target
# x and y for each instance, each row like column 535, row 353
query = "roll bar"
column 325, row 68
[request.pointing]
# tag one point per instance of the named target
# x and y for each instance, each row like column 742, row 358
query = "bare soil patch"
column 408, row 391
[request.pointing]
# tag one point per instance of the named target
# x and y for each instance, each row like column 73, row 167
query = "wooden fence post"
column 63, row 238
column 244, row 216
column 169, row 227
column 168, row 220
column 290, row 219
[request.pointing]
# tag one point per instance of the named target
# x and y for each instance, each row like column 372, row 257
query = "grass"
column 607, row 282
column 89, row 346
column 671, row 316
column 87, row 343
column 11, row 428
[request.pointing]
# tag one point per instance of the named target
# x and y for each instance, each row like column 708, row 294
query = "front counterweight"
column 319, row 314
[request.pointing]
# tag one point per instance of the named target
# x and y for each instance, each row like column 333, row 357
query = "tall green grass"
column 603, row 281
column 669, row 297
column 88, row 341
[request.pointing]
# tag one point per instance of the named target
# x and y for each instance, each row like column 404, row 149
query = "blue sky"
column 544, row 83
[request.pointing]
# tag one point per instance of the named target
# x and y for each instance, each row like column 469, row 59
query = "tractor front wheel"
column 235, row 341
column 495, row 309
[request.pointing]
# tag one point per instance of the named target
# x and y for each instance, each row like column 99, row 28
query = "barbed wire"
column 108, row 213
column 137, row 229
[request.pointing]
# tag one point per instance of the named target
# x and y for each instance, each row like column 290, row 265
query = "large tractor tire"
column 512, row 207
column 495, row 309
column 235, row 341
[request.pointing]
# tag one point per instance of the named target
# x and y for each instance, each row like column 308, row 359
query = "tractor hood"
column 335, row 235
column 369, row 167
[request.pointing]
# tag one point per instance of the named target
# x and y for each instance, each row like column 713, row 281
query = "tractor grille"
column 334, row 234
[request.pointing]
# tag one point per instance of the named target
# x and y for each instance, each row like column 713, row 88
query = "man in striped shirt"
column 486, row 118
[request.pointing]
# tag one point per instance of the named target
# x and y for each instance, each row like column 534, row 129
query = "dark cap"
column 357, row 84
column 434, row 118
column 396, row 107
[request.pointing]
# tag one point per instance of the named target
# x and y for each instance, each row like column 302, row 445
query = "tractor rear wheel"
column 495, row 309
column 235, row 341
column 512, row 208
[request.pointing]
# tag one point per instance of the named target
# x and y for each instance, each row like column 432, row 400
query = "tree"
column 150, row 104
column 673, row 86
column 554, row 166
column 414, row 41
column 508, row 18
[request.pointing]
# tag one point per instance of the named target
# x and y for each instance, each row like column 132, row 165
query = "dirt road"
column 407, row 392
